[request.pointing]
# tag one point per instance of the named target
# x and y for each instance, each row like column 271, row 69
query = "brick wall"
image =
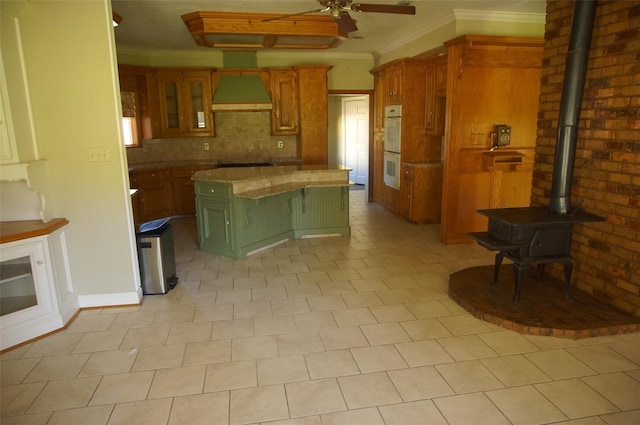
column 607, row 165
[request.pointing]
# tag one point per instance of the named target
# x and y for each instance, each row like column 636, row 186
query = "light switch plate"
column 98, row 154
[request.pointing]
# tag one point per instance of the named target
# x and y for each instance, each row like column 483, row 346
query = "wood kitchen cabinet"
column 393, row 77
column 391, row 198
column 430, row 79
column 185, row 103
column 154, row 192
column 491, row 80
column 423, row 113
column 379, row 101
column 422, row 192
column 313, row 138
column 138, row 94
column 183, row 188
column 284, row 96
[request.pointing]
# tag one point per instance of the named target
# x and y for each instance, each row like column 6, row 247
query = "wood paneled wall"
column 490, row 80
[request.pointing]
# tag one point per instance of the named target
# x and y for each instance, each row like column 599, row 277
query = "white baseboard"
column 110, row 300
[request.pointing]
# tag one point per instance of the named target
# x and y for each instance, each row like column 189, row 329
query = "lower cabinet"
column 163, row 192
column 154, row 192
column 35, row 289
column 183, row 189
column 391, row 198
column 214, row 224
column 422, row 192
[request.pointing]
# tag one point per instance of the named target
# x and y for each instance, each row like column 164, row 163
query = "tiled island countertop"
column 261, row 182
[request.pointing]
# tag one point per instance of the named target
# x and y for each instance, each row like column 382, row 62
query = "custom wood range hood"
column 241, row 87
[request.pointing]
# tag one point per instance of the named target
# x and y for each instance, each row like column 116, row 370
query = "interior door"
column 356, row 138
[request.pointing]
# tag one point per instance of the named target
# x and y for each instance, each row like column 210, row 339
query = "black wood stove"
column 542, row 235
column 530, row 235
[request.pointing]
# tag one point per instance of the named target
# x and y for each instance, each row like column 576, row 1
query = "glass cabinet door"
column 170, row 85
column 171, row 99
column 24, row 283
column 197, row 105
column 17, row 288
column 198, row 98
column 185, row 104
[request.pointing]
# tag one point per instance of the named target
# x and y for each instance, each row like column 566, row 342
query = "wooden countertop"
column 11, row 231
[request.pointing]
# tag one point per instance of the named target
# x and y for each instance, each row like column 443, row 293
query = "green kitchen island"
column 242, row 210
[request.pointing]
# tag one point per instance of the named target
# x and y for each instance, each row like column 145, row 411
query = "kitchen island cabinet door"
column 214, row 226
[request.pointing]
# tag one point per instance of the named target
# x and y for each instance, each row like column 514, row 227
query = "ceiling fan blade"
column 384, row 8
column 346, row 24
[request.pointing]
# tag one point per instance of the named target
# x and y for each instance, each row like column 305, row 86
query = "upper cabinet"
column 284, row 95
column 393, row 84
column 139, row 96
column 177, row 103
column 412, row 83
column 314, row 115
column 185, row 103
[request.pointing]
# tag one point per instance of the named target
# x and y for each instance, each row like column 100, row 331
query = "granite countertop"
column 260, row 182
column 206, row 162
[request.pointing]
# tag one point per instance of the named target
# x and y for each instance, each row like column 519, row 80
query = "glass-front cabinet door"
column 171, row 108
column 185, row 103
column 198, row 98
column 24, row 283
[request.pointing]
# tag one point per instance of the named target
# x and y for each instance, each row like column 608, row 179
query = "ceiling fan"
column 339, row 10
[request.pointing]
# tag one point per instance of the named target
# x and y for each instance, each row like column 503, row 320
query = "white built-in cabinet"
column 36, row 295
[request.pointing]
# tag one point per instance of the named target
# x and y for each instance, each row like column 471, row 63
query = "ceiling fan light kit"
column 304, row 30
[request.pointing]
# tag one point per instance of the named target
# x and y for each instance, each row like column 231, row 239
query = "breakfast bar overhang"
column 243, row 210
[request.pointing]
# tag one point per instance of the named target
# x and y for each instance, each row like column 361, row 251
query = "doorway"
column 349, row 134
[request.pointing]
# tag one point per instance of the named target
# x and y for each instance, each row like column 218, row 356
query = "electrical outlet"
column 98, row 154
column 280, row 144
column 206, row 146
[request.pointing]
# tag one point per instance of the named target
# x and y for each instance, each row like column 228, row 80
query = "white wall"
column 71, row 76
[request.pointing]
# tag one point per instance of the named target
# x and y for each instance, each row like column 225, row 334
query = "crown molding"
column 442, row 21
column 209, row 54
column 467, row 15
column 497, row 16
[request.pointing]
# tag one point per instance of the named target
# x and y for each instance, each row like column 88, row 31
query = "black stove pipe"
column 570, row 104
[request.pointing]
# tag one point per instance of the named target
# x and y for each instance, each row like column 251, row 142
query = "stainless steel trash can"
column 156, row 257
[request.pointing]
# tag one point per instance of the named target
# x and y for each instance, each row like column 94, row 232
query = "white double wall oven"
column 392, row 145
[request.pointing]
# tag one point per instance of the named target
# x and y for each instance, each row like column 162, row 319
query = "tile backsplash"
column 240, row 137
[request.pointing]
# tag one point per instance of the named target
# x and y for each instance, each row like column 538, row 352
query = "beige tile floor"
column 323, row 331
